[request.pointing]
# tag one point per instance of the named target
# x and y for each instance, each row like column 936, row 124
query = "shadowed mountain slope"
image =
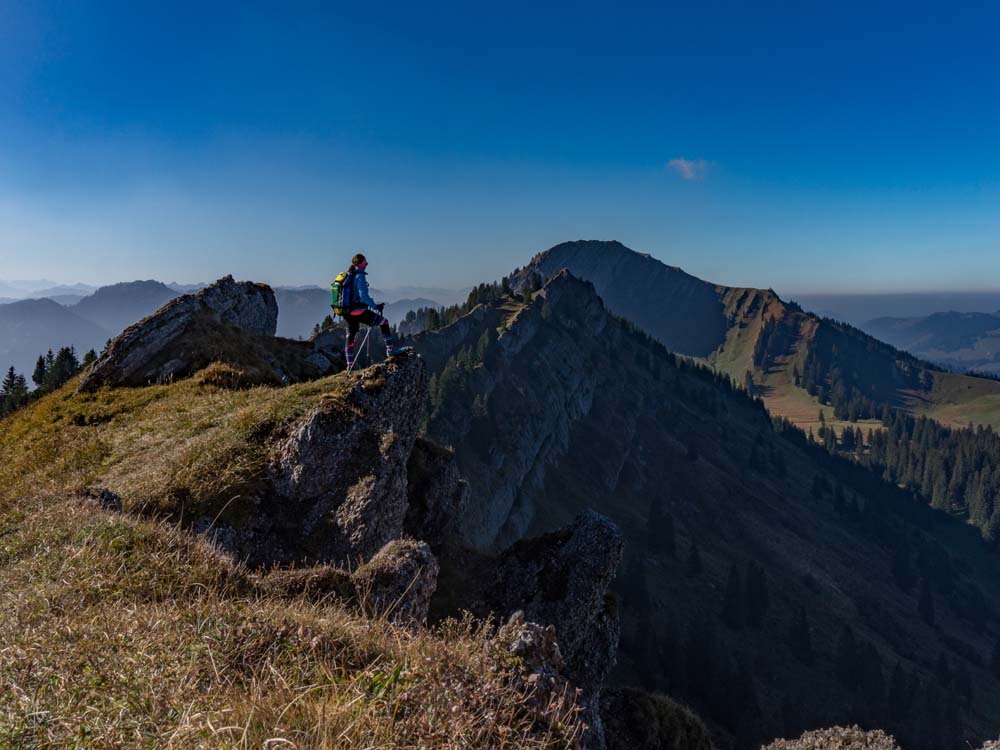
column 30, row 327
column 118, row 306
column 553, row 405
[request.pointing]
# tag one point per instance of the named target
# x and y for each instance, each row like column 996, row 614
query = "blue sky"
column 795, row 145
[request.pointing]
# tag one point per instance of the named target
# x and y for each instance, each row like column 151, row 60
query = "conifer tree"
column 38, row 376
column 902, row 566
column 694, row 565
column 660, row 529
column 9, row 384
column 847, row 658
column 799, row 637
column 757, row 597
column 734, row 604
column 898, row 698
column 925, row 605
column 995, row 659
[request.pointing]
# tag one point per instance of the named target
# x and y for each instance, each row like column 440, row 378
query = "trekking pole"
column 368, row 329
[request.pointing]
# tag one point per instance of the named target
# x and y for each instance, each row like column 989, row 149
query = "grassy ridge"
column 120, row 632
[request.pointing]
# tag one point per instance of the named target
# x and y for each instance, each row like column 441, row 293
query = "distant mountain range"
column 87, row 319
column 960, row 341
column 858, row 309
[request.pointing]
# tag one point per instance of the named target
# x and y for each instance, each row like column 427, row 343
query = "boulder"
column 186, row 334
column 398, row 582
column 562, row 579
column 340, row 476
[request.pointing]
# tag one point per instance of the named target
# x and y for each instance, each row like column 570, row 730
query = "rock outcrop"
column 550, row 695
column 341, row 472
column 396, row 584
column 562, row 579
column 177, row 339
column 398, row 581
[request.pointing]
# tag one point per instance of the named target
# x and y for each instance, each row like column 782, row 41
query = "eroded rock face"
column 164, row 345
column 398, row 581
column 562, row 579
column 341, row 472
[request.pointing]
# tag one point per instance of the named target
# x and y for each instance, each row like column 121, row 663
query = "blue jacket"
column 360, row 296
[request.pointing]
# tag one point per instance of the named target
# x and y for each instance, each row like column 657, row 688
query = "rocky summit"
column 228, row 321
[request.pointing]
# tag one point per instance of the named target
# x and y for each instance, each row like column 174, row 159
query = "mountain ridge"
column 741, row 330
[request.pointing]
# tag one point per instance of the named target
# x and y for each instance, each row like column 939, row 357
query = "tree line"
column 52, row 370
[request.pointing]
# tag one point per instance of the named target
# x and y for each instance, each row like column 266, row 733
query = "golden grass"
column 119, row 632
column 186, row 447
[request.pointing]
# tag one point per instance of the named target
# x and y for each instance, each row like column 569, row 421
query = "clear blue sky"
column 804, row 146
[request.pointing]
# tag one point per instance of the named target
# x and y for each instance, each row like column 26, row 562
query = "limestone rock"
column 340, row 474
column 177, row 339
column 562, row 579
column 398, row 581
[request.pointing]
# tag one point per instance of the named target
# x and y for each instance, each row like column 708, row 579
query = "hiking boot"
column 397, row 351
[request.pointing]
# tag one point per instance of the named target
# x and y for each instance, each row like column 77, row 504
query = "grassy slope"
column 120, row 632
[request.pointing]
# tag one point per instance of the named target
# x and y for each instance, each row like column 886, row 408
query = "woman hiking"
column 357, row 307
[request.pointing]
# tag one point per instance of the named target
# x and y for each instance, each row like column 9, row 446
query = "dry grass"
column 117, row 632
column 188, row 447
column 838, row 738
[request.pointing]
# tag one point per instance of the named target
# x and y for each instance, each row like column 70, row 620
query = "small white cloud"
column 690, row 169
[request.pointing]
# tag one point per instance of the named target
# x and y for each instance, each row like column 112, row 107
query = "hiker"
column 352, row 300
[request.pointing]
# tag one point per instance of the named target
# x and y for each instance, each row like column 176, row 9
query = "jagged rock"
column 177, row 339
column 436, row 492
column 562, row 578
column 105, row 498
column 398, row 581
column 636, row 719
column 341, row 472
column 245, row 305
column 838, row 738
column 550, row 696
